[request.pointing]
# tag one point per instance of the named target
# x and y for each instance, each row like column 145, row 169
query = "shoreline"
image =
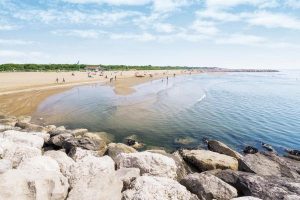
column 78, row 164
column 22, row 92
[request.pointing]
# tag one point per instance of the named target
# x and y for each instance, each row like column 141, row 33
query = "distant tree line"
column 79, row 67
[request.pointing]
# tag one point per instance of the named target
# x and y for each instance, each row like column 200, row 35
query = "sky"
column 207, row 33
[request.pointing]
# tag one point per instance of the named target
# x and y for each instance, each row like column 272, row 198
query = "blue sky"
column 221, row 33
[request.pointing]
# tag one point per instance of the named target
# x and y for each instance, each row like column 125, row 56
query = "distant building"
column 93, row 68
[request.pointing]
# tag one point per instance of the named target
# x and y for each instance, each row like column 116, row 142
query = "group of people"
column 63, row 80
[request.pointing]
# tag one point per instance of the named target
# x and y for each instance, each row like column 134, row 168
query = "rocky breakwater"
column 55, row 163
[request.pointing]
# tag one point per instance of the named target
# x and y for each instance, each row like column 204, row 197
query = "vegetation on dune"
column 76, row 67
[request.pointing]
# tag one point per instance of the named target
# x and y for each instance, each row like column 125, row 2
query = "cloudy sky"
column 222, row 33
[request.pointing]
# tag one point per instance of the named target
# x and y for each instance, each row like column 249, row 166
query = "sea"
column 239, row 109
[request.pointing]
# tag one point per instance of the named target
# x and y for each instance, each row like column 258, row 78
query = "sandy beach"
column 22, row 92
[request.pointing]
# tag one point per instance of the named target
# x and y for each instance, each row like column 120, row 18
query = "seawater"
column 237, row 108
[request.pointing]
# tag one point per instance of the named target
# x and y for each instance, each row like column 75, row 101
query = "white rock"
column 64, row 161
column 157, row 188
column 39, row 163
column 149, row 163
column 38, row 185
column 43, row 135
column 5, row 165
column 246, row 198
column 80, row 153
column 17, row 153
column 101, row 186
column 114, row 149
column 89, row 166
column 23, row 138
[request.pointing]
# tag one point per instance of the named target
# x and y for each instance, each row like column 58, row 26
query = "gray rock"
column 157, row 188
column 58, row 140
column 8, row 120
column 264, row 187
column 79, row 132
column 149, row 163
column 8, row 127
column 270, row 165
column 222, row 148
column 85, row 143
column 114, row 149
column 5, row 165
column 207, row 160
column 208, row 187
column 79, row 153
column 24, row 119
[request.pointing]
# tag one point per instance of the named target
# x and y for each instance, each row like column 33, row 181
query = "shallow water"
column 237, row 108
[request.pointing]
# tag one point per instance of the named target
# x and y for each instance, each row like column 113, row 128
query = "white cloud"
column 164, row 27
column 88, row 34
column 15, row 42
column 111, row 2
column 241, row 39
column 295, row 4
column 20, row 54
column 226, row 4
column 205, row 27
column 145, row 37
column 5, row 27
column 272, row 20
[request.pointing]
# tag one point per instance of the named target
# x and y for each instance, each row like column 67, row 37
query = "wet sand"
column 22, row 92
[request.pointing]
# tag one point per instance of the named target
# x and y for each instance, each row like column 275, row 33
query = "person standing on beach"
column 56, row 80
column 64, row 80
column 115, row 78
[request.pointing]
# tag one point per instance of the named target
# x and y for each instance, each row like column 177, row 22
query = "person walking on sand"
column 64, row 80
column 115, row 78
column 56, row 80
column 111, row 79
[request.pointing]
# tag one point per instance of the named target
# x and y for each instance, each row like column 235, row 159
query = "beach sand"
column 22, row 92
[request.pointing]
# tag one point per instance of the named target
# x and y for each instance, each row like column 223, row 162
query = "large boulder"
column 35, row 178
column 16, row 152
column 222, row 148
column 149, row 163
column 65, row 162
column 58, row 140
column 114, row 149
column 264, row 187
column 270, row 165
column 208, row 187
column 127, row 175
column 79, row 132
column 157, row 188
column 23, row 138
column 79, row 153
column 207, row 160
column 8, row 127
column 5, row 165
column 94, row 178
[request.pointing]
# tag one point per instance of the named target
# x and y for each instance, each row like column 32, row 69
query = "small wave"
column 203, row 97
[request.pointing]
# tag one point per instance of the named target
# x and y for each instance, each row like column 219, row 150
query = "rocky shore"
column 49, row 162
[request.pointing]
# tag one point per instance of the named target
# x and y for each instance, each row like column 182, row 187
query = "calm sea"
column 237, row 108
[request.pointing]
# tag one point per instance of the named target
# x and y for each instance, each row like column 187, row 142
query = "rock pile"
column 55, row 163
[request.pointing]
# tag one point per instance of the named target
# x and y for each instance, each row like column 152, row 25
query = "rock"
column 250, row 150
column 222, row 148
column 133, row 142
column 8, row 127
column 184, row 140
column 246, row 198
column 264, row 187
column 59, row 131
column 101, row 186
column 16, row 152
column 24, row 119
column 293, row 152
column 43, row 135
column 5, row 165
column 292, row 157
column 78, row 153
column 271, row 165
column 65, row 162
column 94, row 178
column 85, row 143
column 114, row 149
column 30, row 127
column 88, row 166
column 99, row 136
column 37, row 163
column 267, row 147
column 23, row 138
column 157, row 188
column 149, row 163
column 207, row 160
column 182, row 168
column 49, row 128
column 58, row 140
column 127, row 175
column 78, row 132
column 208, row 187
column 20, row 184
